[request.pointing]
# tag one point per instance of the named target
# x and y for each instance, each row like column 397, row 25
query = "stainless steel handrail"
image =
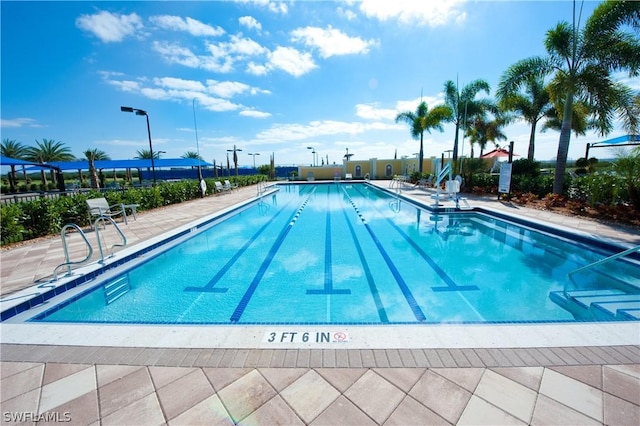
column 599, row 262
column 96, row 227
column 68, row 261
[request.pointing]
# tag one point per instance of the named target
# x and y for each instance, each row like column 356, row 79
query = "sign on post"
column 504, row 184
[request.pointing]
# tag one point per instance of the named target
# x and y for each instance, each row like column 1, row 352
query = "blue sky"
column 265, row 76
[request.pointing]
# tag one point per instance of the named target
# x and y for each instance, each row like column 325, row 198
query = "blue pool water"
column 347, row 254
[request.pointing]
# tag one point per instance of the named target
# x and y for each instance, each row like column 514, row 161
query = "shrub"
column 11, row 218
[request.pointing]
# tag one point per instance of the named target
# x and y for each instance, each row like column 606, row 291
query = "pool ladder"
column 96, row 226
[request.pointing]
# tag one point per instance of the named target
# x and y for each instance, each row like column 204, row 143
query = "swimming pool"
column 348, row 254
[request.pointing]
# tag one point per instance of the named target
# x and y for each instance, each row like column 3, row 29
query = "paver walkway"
column 153, row 385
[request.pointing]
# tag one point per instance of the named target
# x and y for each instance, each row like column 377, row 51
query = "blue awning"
column 125, row 164
column 619, row 141
column 8, row 161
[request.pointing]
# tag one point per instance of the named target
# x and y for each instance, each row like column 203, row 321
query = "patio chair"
column 100, row 207
column 230, row 186
column 218, row 187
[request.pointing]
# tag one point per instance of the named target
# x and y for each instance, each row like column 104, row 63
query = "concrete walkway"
column 155, row 384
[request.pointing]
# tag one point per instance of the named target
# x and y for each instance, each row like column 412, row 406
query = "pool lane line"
column 450, row 284
column 375, row 294
column 328, row 266
column 237, row 313
column 210, row 286
column 404, row 288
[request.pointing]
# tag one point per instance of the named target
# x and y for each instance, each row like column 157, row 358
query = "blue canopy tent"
column 626, row 140
column 12, row 162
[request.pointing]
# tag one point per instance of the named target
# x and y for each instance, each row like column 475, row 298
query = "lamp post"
column 143, row 112
column 235, row 157
column 313, row 154
column 253, row 154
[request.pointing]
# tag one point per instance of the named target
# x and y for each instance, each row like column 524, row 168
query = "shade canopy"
column 497, row 153
column 126, row 164
column 8, row 161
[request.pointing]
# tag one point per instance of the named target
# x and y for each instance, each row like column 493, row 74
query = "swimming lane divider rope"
column 382, row 313
column 451, row 285
column 404, row 288
column 328, row 272
column 210, row 286
column 237, row 313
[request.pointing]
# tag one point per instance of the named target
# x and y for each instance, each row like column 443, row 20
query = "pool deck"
column 524, row 374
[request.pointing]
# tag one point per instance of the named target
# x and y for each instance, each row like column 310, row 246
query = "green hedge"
column 46, row 216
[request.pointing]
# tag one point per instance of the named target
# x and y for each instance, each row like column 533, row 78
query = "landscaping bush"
column 11, row 219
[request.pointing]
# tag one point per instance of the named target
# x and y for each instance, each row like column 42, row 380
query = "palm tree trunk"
column 532, row 141
column 12, row 179
column 455, row 143
column 93, row 173
column 563, row 145
column 421, row 155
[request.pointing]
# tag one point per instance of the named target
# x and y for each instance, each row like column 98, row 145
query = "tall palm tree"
column 46, row 151
column 464, row 105
column 423, row 120
column 92, row 155
column 527, row 96
column 582, row 62
column 13, row 149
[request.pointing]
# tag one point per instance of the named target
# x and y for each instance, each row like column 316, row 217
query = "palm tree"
column 423, row 120
column 92, row 155
column 145, row 154
column 192, row 154
column 464, row 105
column 481, row 131
column 12, row 149
column 46, row 151
column 583, row 62
column 527, row 96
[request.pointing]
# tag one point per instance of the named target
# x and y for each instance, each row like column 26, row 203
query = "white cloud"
column 331, row 42
column 176, row 54
column 372, row 112
column 19, row 122
column 293, row 132
column 226, row 89
column 254, row 114
column 250, row 22
column 430, row 13
column 190, row 25
column 257, row 69
column 273, row 6
column 179, row 83
column 348, row 14
column 110, row 27
column 291, row 61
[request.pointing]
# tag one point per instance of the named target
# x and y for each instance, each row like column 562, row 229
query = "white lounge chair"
column 230, row 186
column 220, row 188
column 100, row 207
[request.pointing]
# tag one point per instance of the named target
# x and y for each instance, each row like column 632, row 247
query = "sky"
column 265, row 77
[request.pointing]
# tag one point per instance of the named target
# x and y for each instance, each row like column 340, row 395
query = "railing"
column 96, row 227
column 598, row 263
column 68, row 261
column 444, row 171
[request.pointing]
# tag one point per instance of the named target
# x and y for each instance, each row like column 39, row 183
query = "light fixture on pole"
column 253, row 154
column 313, row 154
column 235, row 157
column 143, row 112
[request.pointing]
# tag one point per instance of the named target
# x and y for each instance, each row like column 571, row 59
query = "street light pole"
column 313, row 155
column 143, row 112
column 254, row 158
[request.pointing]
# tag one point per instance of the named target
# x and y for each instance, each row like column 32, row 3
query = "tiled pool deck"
column 195, row 375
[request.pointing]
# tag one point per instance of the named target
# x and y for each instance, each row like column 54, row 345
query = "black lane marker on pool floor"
column 406, row 292
column 328, row 268
column 237, row 313
column 210, row 286
column 382, row 313
column 451, row 285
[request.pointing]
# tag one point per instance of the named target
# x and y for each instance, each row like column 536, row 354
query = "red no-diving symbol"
column 340, row 336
